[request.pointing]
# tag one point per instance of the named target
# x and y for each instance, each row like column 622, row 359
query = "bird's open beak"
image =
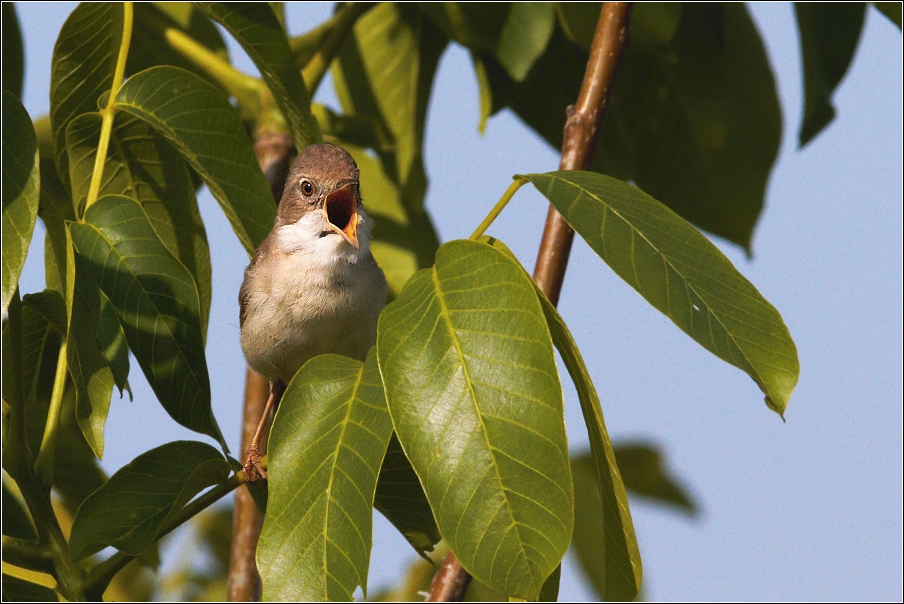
column 341, row 210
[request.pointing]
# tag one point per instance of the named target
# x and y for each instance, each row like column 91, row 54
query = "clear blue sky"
column 807, row 510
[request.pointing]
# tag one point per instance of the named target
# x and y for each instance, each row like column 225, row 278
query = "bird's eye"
column 306, row 187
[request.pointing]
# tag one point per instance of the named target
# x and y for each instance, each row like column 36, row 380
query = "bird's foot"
column 254, row 471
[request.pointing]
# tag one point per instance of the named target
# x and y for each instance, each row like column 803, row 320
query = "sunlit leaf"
column 199, row 122
column 401, row 499
column 13, row 55
column 128, row 511
column 681, row 273
column 829, row 33
column 619, row 566
column 157, row 303
column 645, row 472
column 84, row 59
column 474, row 394
column 21, row 184
column 325, row 449
column 142, row 165
column 257, row 29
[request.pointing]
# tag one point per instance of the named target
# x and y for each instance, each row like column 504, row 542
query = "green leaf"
column 84, row 60
column 578, row 21
column 643, row 467
column 681, row 273
column 199, row 122
column 828, row 38
column 256, row 28
column 524, row 38
column 88, row 367
column 16, row 521
column 157, row 303
column 325, row 450
column 44, row 322
column 112, row 342
column 892, row 10
column 13, row 55
column 466, row 345
column 401, row 499
column 20, row 590
column 386, row 71
column 142, row 165
column 21, row 183
column 589, row 542
column 619, row 565
column 128, row 511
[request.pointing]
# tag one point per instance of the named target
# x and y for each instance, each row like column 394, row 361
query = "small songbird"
column 313, row 286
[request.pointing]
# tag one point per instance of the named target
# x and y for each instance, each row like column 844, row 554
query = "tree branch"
column 581, row 129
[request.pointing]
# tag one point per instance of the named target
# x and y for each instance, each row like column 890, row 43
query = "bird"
column 313, row 287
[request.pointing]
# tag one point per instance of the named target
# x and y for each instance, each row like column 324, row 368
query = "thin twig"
column 273, row 150
column 581, row 128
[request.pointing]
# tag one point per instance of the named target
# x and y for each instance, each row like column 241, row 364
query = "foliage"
column 453, row 427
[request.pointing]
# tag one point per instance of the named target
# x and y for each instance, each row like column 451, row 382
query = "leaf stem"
column 497, row 209
column 44, row 462
column 97, row 581
column 245, row 88
column 26, row 554
column 341, row 26
column 110, row 110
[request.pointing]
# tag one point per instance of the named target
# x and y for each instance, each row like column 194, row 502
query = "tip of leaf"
column 781, row 411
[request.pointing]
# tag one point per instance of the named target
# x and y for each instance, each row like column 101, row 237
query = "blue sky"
column 810, row 509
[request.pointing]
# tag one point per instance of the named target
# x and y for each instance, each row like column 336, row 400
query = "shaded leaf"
column 157, row 303
column 84, row 60
column 44, row 322
column 681, row 273
column 16, row 521
column 525, row 36
column 143, row 166
column 112, row 341
column 619, row 568
column 386, row 71
column 578, row 21
column 828, row 38
column 88, row 367
column 21, row 184
column 589, row 541
column 892, row 10
column 128, row 511
column 13, row 54
column 199, row 122
column 472, row 387
column 325, row 449
column 20, row 590
column 257, row 29
column 401, row 499
column 152, row 22
column 645, row 473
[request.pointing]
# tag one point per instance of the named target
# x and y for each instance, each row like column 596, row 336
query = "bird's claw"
column 254, row 471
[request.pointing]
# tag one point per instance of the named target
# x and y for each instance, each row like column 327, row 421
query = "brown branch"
column 581, row 129
column 273, row 150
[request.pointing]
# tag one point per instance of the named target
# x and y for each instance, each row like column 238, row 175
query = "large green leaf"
column 645, row 472
column 157, row 303
column 142, row 165
column 470, row 377
column 681, row 273
column 257, row 29
column 199, row 122
column 325, row 450
column 13, row 54
column 401, row 499
column 21, row 185
column 112, row 342
column 128, row 511
column 829, row 33
column 618, row 565
column 84, row 60
column 386, row 71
